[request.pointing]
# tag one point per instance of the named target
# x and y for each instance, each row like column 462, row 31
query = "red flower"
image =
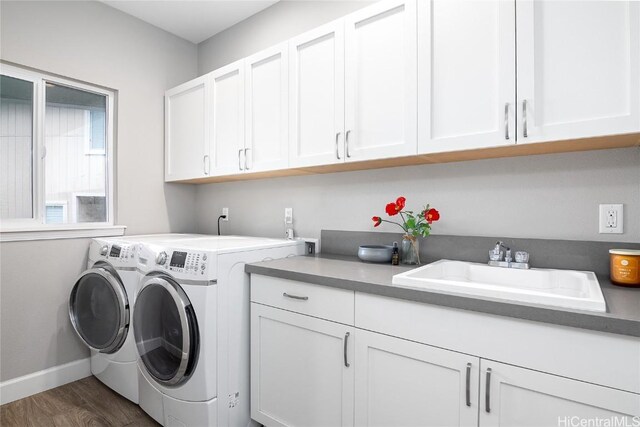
column 377, row 220
column 431, row 215
column 394, row 208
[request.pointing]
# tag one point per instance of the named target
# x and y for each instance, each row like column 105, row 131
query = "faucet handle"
column 495, row 255
column 522, row 256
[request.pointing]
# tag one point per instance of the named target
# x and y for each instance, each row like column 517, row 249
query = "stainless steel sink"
column 578, row 290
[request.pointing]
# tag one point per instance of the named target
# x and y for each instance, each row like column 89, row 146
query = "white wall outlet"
column 225, row 211
column 288, row 215
column 611, row 219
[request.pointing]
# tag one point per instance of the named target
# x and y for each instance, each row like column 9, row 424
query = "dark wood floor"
column 86, row 402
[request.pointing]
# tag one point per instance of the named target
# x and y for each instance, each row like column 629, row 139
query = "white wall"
column 92, row 42
column 550, row 196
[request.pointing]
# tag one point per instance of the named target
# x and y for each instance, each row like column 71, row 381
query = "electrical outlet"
column 225, row 211
column 611, row 219
column 288, row 215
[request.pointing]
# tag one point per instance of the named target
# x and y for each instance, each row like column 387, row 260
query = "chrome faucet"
column 498, row 258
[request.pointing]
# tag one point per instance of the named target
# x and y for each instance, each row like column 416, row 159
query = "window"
column 56, row 152
column 56, row 213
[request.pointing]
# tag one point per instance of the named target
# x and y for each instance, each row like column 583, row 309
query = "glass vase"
column 410, row 251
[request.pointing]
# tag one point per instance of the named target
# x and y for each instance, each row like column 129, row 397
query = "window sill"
column 60, row 232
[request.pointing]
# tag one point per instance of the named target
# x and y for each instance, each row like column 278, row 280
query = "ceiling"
column 193, row 20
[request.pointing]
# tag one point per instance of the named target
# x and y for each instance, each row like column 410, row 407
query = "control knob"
column 161, row 258
column 104, row 250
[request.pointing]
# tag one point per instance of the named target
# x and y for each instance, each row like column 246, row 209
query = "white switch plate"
column 611, row 219
column 288, row 215
column 225, row 211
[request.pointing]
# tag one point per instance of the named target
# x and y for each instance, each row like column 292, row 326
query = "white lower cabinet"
column 308, row 371
column 403, row 383
column 513, row 396
column 301, row 369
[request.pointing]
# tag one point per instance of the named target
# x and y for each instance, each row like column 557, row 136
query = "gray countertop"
column 623, row 304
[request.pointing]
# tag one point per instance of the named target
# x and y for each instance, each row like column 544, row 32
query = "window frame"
column 35, row 228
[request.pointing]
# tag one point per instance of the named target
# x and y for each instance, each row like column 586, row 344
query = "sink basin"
column 577, row 290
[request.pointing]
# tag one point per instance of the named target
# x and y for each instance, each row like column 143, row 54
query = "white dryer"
column 100, row 307
column 191, row 325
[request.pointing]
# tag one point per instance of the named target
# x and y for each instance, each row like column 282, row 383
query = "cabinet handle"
column 506, row 121
column 295, row 296
column 346, row 341
column 346, row 143
column 239, row 154
column 468, row 389
column 525, row 132
column 205, row 165
column 487, row 402
column 337, row 146
column 246, row 156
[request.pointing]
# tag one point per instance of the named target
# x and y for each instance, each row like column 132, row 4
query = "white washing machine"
column 100, row 307
column 191, row 325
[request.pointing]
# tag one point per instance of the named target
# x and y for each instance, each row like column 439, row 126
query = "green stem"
column 391, row 222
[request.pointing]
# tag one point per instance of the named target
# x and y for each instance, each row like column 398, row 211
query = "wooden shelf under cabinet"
column 516, row 150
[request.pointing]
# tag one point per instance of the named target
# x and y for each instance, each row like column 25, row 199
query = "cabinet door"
column 299, row 372
column 578, row 69
column 512, row 396
column 186, row 130
column 380, row 81
column 316, row 82
column 267, row 115
column 403, row 383
column 227, row 119
column 467, row 71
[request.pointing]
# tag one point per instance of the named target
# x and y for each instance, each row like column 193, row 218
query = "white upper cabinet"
column 578, row 69
column 467, row 71
column 267, row 111
column 380, row 81
column 513, row 396
column 187, row 130
column 316, row 82
column 405, row 77
column 227, row 120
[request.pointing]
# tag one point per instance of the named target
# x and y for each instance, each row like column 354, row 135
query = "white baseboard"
column 40, row 381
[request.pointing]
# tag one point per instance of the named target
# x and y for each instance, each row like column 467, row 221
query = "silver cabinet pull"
column 468, row 389
column 337, row 146
column 346, row 143
column 525, row 132
column 506, row 121
column 295, row 296
column 246, row 156
column 205, row 165
column 239, row 154
column 487, row 401
column 346, row 342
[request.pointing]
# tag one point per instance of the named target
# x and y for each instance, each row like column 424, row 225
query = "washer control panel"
column 191, row 263
column 119, row 255
column 121, row 252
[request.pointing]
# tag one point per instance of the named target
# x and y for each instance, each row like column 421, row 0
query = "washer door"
column 166, row 331
column 99, row 309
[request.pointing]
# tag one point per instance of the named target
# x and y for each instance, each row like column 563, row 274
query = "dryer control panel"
column 190, row 263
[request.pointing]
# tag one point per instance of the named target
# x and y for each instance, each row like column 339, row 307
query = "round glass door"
column 166, row 331
column 99, row 310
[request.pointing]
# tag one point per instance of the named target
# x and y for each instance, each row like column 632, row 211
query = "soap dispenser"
column 395, row 255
